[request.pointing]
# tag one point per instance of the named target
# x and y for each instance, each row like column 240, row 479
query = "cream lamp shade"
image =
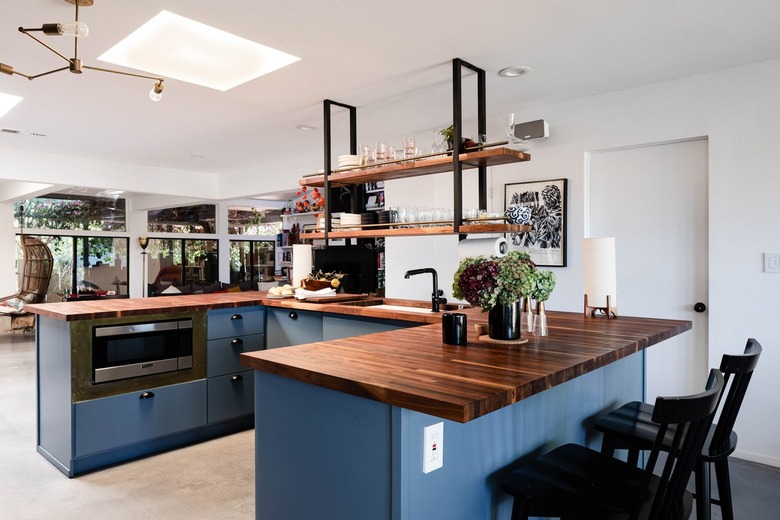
column 600, row 274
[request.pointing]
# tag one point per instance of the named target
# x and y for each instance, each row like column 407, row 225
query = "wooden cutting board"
column 336, row 298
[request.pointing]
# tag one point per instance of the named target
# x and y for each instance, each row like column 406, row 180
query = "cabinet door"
column 231, row 396
column 223, row 354
column 287, row 327
column 337, row 326
column 120, row 420
column 223, row 323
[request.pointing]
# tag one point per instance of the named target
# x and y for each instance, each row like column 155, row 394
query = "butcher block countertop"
column 412, row 368
column 121, row 307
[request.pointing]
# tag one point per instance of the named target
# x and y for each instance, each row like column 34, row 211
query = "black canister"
column 453, row 328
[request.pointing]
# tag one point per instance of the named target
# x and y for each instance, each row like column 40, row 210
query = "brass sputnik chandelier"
column 77, row 30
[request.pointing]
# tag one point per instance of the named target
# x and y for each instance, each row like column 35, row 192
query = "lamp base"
column 609, row 311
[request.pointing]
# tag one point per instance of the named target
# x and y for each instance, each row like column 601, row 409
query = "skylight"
column 7, row 102
column 177, row 47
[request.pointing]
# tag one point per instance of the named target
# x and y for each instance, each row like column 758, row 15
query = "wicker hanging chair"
column 37, row 267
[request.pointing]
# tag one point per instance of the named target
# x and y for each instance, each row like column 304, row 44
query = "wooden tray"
column 482, row 332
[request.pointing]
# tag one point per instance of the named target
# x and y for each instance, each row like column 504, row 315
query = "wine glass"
column 509, row 126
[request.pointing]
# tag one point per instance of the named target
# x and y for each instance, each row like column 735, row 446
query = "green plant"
column 487, row 282
column 448, row 133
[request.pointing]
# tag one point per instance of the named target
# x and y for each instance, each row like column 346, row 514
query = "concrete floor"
column 213, row 479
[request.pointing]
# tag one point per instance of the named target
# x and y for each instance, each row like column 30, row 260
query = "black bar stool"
column 573, row 481
column 631, row 427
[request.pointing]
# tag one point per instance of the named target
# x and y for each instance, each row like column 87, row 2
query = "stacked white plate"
column 347, row 161
column 350, row 220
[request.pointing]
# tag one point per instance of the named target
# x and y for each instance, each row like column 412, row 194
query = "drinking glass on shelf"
column 409, row 144
column 393, row 215
column 364, row 155
column 402, row 214
column 380, row 149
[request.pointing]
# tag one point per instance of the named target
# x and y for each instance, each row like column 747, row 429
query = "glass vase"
column 540, row 320
column 527, row 317
column 504, row 321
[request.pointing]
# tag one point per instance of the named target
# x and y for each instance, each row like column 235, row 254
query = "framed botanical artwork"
column 542, row 205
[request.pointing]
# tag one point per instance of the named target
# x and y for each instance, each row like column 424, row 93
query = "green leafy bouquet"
column 487, row 282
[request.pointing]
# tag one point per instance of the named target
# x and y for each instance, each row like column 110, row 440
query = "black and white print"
column 542, row 205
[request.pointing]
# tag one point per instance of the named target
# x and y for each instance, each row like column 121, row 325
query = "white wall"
column 738, row 110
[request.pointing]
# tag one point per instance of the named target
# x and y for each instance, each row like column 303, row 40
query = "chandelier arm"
column 76, row 39
column 45, row 73
column 25, row 31
column 144, row 76
column 10, row 71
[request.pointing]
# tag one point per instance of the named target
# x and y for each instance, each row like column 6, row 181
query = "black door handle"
column 293, row 315
column 699, row 307
column 236, row 317
column 237, row 378
column 146, row 395
column 237, row 342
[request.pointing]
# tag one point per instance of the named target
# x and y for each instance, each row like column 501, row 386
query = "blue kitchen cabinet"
column 230, row 386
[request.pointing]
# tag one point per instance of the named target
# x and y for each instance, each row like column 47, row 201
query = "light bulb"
column 156, row 93
column 75, row 29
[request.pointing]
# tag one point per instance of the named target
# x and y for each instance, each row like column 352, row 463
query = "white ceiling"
column 390, row 59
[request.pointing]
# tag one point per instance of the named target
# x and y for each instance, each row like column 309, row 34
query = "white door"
column 653, row 200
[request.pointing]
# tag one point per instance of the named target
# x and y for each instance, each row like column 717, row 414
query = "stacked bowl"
column 348, row 161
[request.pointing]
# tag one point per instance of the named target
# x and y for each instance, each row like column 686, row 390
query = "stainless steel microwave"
column 140, row 349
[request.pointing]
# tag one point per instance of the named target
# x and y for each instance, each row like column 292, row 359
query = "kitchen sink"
column 391, row 304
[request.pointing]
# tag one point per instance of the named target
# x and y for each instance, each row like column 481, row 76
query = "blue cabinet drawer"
column 240, row 321
column 292, row 327
column 111, row 422
column 231, row 396
column 222, row 355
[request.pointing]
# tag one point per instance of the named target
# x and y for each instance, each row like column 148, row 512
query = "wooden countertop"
column 413, row 369
column 121, row 307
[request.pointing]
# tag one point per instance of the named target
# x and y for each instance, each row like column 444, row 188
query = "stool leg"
column 724, row 489
column 608, row 445
column 633, row 456
column 702, row 476
column 520, row 508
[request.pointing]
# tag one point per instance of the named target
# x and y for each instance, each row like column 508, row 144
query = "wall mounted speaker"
column 532, row 130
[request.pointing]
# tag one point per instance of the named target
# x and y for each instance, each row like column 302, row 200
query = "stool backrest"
column 737, row 369
column 692, row 417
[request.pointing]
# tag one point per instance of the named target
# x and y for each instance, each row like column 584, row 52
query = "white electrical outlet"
column 433, row 449
column 772, row 262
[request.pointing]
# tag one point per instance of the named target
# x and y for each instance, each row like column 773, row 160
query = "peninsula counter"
column 339, row 429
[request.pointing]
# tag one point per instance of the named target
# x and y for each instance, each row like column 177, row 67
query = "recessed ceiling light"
column 177, row 47
column 7, row 102
column 513, row 72
column 306, row 128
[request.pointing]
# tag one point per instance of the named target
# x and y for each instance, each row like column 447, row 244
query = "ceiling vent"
column 9, row 131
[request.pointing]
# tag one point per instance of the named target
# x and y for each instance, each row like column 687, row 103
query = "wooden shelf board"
column 407, row 232
column 487, row 157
